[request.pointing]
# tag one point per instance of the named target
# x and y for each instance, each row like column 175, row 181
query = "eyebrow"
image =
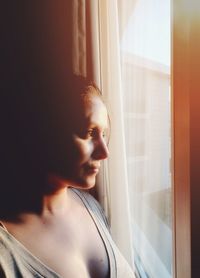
column 94, row 124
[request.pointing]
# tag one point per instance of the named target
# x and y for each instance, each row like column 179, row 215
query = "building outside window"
column 145, row 67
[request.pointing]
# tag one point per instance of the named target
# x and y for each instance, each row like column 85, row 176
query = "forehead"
column 95, row 112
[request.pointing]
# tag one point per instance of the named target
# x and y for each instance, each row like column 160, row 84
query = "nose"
column 100, row 150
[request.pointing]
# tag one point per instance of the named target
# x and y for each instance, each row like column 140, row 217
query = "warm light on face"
column 89, row 144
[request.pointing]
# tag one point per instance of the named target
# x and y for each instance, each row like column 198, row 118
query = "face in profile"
column 89, row 144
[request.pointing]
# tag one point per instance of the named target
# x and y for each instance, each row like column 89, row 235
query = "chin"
column 86, row 184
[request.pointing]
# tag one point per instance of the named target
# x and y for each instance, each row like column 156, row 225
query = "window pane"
column 145, row 58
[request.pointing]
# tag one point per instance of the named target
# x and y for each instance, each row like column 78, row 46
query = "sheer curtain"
column 145, row 68
column 135, row 79
column 110, row 78
column 115, row 170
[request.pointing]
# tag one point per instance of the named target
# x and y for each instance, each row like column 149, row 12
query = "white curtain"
column 145, row 63
column 116, row 196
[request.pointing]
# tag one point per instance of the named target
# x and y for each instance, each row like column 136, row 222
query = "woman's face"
column 89, row 144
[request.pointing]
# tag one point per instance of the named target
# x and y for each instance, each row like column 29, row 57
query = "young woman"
column 52, row 146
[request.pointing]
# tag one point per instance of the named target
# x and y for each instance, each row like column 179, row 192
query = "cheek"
column 83, row 151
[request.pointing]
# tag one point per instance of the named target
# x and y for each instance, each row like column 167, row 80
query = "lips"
column 92, row 169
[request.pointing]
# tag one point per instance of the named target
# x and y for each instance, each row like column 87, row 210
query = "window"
column 145, row 67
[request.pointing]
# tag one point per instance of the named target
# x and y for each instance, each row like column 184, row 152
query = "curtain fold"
column 115, row 170
column 85, row 38
column 79, row 37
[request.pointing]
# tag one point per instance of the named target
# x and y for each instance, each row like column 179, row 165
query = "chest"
column 76, row 252
column 72, row 248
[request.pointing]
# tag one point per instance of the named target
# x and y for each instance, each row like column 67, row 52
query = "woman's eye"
column 90, row 133
column 94, row 133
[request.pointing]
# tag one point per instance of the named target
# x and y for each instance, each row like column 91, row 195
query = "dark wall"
column 36, row 41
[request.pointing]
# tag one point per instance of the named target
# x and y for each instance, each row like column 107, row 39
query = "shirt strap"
column 3, row 226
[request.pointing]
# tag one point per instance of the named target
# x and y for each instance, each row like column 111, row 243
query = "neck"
column 56, row 203
column 56, row 199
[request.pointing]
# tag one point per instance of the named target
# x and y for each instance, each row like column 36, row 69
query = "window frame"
column 181, row 144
